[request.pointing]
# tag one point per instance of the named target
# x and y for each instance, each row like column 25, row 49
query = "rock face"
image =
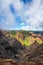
column 4, row 34
column 12, row 48
column 36, row 53
column 20, row 35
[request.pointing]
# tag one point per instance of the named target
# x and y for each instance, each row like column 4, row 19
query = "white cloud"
column 31, row 28
column 17, row 5
column 32, row 15
column 7, row 19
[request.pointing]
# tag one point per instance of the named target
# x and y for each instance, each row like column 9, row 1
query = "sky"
column 21, row 15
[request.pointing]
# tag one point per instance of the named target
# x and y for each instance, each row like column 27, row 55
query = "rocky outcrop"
column 37, row 53
column 4, row 34
column 10, row 48
column 20, row 35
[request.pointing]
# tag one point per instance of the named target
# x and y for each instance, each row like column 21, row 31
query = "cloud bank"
column 21, row 15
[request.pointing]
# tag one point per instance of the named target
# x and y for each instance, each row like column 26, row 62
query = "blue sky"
column 21, row 15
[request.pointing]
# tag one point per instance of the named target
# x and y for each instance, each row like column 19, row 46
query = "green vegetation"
column 12, row 34
column 39, row 41
column 26, row 41
column 25, row 32
column 21, row 31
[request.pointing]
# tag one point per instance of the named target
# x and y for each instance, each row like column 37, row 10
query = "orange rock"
column 19, row 35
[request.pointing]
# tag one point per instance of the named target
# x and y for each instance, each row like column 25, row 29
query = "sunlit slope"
column 27, row 38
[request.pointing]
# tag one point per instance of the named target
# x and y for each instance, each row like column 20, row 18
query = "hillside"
column 27, row 38
column 27, row 47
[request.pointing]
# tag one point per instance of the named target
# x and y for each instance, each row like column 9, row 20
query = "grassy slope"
column 28, row 40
